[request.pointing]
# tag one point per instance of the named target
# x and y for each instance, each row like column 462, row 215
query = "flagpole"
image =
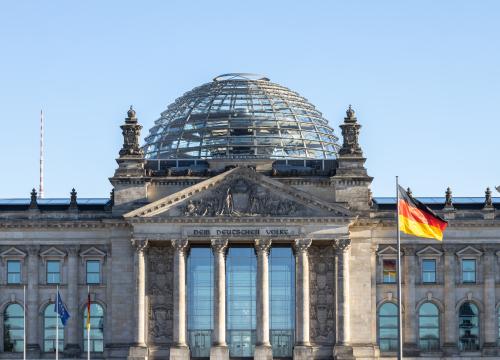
column 88, row 326
column 400, row 303
column 24, row 322
column 57, row 322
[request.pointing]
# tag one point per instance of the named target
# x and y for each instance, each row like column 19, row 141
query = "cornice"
column 58, row 224
column 385, row 223
column 236, row 220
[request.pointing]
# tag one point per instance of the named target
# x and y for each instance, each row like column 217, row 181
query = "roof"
column 437, row 203
column 54, row 204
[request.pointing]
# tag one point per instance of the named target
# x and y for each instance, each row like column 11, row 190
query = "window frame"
column 44, row 328
column 479, row 332
column 84, row 329
column 53, row 261
column 395, row 272
column 379, row 326
column 423, row 271
column 11, row 254
column 8, row 272
column 99, row 273
column 462, row 271
column 427, row 327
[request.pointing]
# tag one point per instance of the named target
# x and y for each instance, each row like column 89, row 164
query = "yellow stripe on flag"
column 412, row 227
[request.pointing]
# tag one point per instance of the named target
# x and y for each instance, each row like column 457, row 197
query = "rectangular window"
column 93, row 272
column 469, row 271
column 13, row 272
column 53, row 272
column 429, row 271
column 389, row 271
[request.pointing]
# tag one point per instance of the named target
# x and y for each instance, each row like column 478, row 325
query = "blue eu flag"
column 61, row 310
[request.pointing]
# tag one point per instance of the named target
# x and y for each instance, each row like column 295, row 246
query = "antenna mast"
column 40, row 192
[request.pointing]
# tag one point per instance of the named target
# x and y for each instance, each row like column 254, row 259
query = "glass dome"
column 241, row 116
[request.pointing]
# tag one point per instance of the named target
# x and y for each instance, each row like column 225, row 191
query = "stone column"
column 263, row 350
column 72, row 348
column 179, row 350
column 489, row 316
column 450, row 315
column 139, row 351
column 32, row 346
column 342, row 349
column 302, row 349
column 219, row 349
column 410, row 271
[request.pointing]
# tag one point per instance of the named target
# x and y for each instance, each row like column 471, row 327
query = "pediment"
column 388, row 251
column 13, row 253
column 52, row 252
column 92, row 252
column 240, row 192
column 429, row 251
column 469, row 251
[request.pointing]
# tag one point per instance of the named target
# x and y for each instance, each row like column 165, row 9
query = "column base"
column 411, row 350
column 489, row 349
column 180, row 353
column 33, row 351
column 302, row 352
column 72, row 351
column 137, row 353
column 450, row 349
column 219, row 353
column 263, row 352
column 343, row 352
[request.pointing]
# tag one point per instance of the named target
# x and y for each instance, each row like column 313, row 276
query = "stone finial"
column 33, row 200
column 488, row 202
column 350, row 133
column 408, row 190
column 131, row 132
column 131, row 113
column 72, row 202
column 448, row 198
column 112, row 197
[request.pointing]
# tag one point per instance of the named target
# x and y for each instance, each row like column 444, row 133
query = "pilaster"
column 179, row 350
column 490, row 329
column 450, row 329
column 409, row 317
column 72, row 348
column 219, row 349
column 32, row 346
column 263, row 350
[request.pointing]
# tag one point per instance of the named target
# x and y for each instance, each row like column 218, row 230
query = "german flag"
column 417, row 219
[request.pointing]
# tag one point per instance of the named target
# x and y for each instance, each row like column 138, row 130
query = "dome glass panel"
column 241, row 116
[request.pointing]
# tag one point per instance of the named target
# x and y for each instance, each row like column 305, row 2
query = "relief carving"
column 160, row 294
column 322, row 287
column 239, row 197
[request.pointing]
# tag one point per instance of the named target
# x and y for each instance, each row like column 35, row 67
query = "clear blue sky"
column 423, row 76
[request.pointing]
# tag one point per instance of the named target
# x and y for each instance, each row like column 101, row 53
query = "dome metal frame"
column 241, row 115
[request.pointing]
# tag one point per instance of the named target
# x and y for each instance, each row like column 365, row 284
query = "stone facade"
column 342, row 238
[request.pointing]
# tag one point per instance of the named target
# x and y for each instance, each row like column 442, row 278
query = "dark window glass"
column 428, row 327
column 93, row 272
column 468, row 326
column 200, row 297
column 241, row 272
column 96, row 328
column 389, row 271
column 13, row 272
column 13, row 328
column 469, row 271
column 429, row 271
column 49, row 330
column 388, row 327
column 53, row 272
column 282, row 301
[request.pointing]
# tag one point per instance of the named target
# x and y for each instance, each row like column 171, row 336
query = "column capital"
column 73, row 250
column 342, row 244
column 33, row 250
column 409, row 250
column 302, row 245
column 219, row 245
column 180, row 245
column 262, row 246
column 449, row 250
column 374, row 249
column 140, row 245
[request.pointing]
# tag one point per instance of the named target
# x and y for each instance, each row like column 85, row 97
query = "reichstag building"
column 245, row 227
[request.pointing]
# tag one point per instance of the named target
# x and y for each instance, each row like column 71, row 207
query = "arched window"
column 96, row 328
column 13, row 328
column 428, row 327
column 49, row 330
column 468, row 325
column 388, row 327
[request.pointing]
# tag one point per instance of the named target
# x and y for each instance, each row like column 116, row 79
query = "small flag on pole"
column 88, row 311
column 417, row 219
column 60, row 309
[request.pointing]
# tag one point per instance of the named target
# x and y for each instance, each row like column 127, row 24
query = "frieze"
column 160, row 294
column 322, row 292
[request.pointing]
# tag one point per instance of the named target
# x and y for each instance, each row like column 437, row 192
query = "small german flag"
column 417, row 219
